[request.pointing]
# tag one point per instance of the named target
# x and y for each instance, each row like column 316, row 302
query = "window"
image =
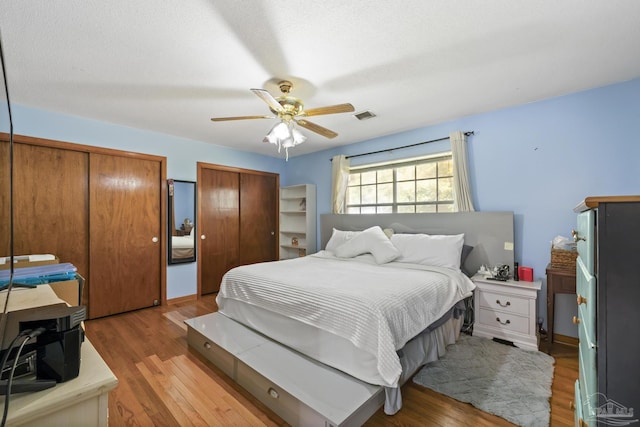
column 410, row 186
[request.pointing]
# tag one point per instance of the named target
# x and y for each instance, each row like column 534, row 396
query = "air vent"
column 364, row 115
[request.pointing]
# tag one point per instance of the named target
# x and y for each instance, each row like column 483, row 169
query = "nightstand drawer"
column 504, row 321
column 505, row 303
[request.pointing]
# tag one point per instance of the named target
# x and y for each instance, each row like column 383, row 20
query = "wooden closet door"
column 258, row 217
column 50, row 203
column 5, row 213
column 125, row 229
column 219, row 223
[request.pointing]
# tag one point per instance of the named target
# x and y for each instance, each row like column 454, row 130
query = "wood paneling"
column 148, row 352
column 5, row 197
column 219, row 204
column 125, row 250
column 259, row 227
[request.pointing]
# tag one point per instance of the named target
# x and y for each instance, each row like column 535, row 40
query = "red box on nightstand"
column 525, row 274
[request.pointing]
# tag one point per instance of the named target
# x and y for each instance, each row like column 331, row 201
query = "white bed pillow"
column 436, row 250
column 338, row 237
column 372, row 240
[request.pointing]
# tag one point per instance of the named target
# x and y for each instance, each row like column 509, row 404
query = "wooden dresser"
column 608, row 289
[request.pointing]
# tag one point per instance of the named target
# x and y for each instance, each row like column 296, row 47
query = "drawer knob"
column 508, row 303
column 507, row 322
column 581, row 423
column 207, row 345
column 273, row 393
column 577, row 238
column 576, row 320
column 581, row 300
column 572, row 406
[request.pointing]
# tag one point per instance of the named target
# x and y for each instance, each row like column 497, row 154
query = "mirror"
column 182, row 220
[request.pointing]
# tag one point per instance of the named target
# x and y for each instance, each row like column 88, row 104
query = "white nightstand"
column 506, row 310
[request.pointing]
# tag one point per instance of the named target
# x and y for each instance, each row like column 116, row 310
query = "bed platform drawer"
column 277, row 399
column 212, row 351
column 300, row 390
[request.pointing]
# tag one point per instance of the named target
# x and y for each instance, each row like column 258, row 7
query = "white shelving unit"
column 297, row 221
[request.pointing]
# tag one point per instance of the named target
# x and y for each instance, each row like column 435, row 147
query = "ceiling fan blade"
column 316, row 128
column 331, row 109
column 224, row 119
column 269, row 99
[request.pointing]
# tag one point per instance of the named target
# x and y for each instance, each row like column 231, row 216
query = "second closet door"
column 258, row 202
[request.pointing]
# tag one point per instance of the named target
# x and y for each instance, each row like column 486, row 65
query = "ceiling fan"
column 290, row 109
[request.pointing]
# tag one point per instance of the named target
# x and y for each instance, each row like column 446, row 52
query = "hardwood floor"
column 164, row 383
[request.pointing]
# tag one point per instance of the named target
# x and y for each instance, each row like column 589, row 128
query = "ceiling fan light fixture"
column 285, row 135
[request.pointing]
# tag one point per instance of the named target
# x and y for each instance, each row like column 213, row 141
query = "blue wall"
column 538, row 160
column 184, row 197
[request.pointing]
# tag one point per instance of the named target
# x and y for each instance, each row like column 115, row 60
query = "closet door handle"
column 154, row 239
column 202, row 237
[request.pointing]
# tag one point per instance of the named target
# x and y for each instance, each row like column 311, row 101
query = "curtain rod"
column 468, row 133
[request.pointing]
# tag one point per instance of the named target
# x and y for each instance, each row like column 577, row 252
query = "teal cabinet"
column 607, row 289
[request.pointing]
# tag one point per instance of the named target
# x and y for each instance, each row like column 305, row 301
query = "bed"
column 376, row 307
column 182, row 246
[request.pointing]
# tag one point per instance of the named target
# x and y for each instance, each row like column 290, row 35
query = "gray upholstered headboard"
column 490, row 233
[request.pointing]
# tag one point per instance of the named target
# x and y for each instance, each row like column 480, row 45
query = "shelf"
column 297, row 220
column 301, row 233
column 293, row 247
column 294, row 212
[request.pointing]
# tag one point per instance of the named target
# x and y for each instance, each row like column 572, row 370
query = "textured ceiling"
column 170, row 65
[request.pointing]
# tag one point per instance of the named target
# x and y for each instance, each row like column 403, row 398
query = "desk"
column 82, row 401
column 559, row 281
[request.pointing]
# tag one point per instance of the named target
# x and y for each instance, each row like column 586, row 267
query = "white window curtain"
column 461, row 187
column 339, row 180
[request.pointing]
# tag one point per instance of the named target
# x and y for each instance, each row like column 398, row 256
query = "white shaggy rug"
column 506, row 381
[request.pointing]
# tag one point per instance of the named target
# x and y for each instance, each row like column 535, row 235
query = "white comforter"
column 182, row 242
column 376, row 307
